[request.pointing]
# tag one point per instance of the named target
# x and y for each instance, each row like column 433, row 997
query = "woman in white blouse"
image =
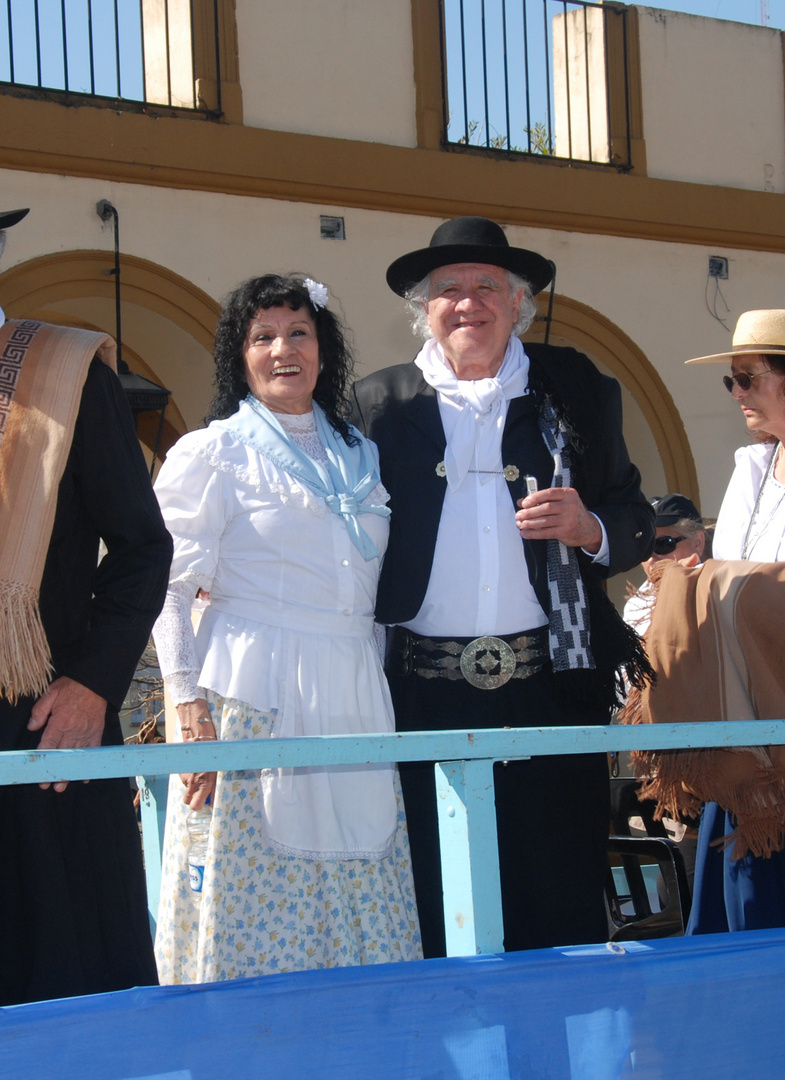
column 748, row 893
column 279, row 521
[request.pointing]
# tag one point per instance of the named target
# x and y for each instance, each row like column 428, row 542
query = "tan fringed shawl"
column 717, row 644
column 42, row 372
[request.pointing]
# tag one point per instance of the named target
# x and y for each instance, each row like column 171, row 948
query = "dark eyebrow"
column 292, row 325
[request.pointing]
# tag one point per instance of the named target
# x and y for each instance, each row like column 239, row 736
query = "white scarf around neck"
column 477, row 399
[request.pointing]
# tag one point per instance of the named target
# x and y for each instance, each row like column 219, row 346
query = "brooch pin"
column 509, row 472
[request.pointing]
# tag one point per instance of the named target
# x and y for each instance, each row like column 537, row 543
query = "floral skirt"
column 263, row 911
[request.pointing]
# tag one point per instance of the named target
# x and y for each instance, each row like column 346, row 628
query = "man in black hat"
column 73, row 903
column 484, row 444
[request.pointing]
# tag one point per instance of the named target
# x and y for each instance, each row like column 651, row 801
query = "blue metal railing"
column 464, row 780
column 122, row 50
column 534, row 77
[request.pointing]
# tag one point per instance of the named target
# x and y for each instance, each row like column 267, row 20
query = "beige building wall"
column 332, row 114
column 579, row 85
column 342, row 68
column 713, row 100
column 652, row 292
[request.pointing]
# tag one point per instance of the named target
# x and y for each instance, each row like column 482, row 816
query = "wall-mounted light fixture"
column 142, row 394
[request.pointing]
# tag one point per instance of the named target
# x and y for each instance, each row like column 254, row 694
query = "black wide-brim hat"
column 11, row 217
column 469, row 240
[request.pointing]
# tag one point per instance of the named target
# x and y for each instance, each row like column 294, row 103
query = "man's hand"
column 196, row 726
column 559, row 514
column 72, row 715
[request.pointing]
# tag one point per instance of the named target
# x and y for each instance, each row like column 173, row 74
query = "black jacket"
column 98, row 616
column 399, row 411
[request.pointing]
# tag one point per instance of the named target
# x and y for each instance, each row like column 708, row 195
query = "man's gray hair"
column 2, row 241
column 690, row 528
column 418, row 295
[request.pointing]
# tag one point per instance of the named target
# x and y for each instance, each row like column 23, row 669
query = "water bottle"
column 198, row 823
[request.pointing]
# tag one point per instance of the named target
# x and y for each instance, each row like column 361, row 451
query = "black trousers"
column 552, row 813
column 73, row 903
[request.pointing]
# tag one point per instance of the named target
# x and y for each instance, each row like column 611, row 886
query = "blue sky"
column 527, row 107
column 748, row 11
column 105, row 75
column 76, row 57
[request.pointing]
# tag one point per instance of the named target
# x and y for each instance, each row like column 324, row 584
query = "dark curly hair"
column 336, row 360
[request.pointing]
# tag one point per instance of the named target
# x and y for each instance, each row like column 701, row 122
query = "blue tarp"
column 680, row 1008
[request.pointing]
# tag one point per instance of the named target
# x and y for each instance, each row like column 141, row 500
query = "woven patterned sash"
column 568, row 626
column 42, row 372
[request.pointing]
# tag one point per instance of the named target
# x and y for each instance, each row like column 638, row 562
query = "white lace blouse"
column 288, row 628
column 266, row 549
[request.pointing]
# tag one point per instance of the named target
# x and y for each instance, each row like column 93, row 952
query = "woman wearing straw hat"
column 747, row 893
column 751, row 524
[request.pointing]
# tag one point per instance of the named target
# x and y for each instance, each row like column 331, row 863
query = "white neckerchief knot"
column 482, row 404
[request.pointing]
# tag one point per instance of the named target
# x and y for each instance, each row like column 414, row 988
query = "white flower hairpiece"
column 317, row 292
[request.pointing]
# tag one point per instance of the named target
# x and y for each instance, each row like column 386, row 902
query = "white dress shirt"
column 767, row 536
column 479, row 581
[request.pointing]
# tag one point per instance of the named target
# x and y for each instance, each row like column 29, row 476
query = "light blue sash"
column 350, row 476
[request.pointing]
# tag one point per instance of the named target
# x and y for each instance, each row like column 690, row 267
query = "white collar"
column 481, row 405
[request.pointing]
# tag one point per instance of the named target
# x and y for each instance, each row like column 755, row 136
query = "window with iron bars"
column 153, row 52
column 542, row 77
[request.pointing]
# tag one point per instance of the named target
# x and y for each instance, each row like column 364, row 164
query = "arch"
column 35, row 288
column 579, row 325
column 70, row 274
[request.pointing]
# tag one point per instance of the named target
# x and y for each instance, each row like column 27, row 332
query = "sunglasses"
column 666, row 545
column 743, row 380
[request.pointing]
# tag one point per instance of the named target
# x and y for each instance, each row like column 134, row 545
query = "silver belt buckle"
column 487, row 663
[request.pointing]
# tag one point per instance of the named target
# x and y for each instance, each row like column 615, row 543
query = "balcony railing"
column 153, row 52
column 464, row 769
column 543, row 77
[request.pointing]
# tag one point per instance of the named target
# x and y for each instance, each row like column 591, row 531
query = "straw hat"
column 469, row 240
column 756, row 332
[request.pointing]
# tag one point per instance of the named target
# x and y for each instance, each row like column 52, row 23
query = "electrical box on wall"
column 718, row 266
column 332, row 228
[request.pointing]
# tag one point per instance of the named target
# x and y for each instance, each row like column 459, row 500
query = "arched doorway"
column 662, row 452
column 653, row 429
column 167, row 322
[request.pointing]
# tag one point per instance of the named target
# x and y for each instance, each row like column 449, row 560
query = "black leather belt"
column 484, row 662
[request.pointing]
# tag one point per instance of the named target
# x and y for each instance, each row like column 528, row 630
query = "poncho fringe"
column 716, row 645
column 42, row 369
